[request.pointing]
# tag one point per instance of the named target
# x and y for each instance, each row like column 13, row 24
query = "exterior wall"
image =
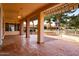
column 12, row 33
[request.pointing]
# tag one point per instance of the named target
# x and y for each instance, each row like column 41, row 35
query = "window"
column 11, row 27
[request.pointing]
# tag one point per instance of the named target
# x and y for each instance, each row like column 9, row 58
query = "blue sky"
column 75, row 13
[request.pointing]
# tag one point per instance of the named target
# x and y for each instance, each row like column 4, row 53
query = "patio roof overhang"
column 61, row 8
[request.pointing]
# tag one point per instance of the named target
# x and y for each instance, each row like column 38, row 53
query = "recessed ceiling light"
column 19, row 16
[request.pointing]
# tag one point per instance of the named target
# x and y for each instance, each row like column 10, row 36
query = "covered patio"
column 14, row 41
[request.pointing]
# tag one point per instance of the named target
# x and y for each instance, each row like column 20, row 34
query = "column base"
column 28, row 37
column 40, row 42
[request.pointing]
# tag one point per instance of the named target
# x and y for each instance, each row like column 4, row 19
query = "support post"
column 40, row 37
column 27, row 28
column 1, row 26
column 21, row 27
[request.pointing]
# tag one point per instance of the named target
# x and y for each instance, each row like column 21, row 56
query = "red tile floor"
column 20, row 46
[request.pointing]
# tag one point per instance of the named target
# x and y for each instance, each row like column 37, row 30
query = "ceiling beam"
column 36, row 12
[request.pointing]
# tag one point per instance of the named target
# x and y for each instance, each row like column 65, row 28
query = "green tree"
column 74, row 22
column 64, row 20
column 48, row 20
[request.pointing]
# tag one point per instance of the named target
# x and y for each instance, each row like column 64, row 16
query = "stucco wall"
column 11, row 33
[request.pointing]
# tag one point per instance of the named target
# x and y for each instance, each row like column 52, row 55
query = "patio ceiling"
column 13, row 10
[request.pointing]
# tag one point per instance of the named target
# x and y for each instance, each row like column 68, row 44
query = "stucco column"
column 27, row 28
column 40, row 36
column 21, row 27
column 1, row 26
